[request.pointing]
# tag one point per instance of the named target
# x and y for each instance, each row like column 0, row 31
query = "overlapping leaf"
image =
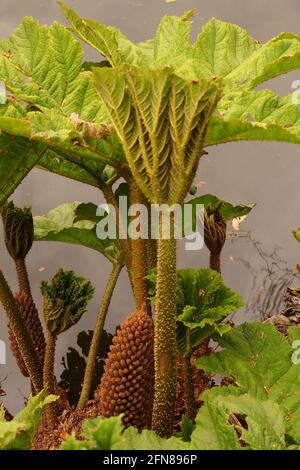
column 255, row 115
column 161, row 121
column 53, row 102
column 42, row 67
column 220, row 50
column 259, row 360
column 203, row 302
column 17, row 158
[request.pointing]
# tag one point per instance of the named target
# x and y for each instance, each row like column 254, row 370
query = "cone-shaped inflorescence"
column 127, row 385
column 65, row 300
column 28, row 310
column 18, row 230
column 18, row 235
column 214, row 236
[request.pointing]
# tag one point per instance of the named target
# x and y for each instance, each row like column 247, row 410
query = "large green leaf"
column 107, row 40
column 72, row 223
column 260, row 412
column 212, row 431
column 226, row 50
column 205, row 291
column 278, row 56
column 161, row 121
column 18, row 433
column 17, row 157
column 76, row 168
column 149, row 440
column 203, row 301
column 54, row 102
column 255, row 115
column 173, row 34
column 221, row 49
column 265, row 425
column 249, row 357
column 259, row 360
column 42, row 66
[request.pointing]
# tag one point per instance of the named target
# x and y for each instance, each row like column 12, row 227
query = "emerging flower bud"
column 18, row 230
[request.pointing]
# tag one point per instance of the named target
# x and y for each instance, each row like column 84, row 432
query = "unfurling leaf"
column 65, row 300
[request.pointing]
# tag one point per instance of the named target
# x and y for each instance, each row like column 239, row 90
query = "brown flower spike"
column 127, row 385
column 28, row 311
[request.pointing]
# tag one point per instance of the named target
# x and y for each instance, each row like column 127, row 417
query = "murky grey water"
column 265, row 173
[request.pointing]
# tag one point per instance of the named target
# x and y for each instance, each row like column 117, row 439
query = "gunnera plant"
column 127, row 384
column 162, row 99
column 65, row 300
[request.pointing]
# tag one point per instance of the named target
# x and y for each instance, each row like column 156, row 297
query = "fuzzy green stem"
column 165, row 336
column 151, row 244
column 98, row 332
column 49, row 379
column 215, row 261
column 21, row 333
column 140, row 271
column 23, row 278
column 189, row 391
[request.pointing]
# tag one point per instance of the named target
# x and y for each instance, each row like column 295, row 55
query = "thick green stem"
column 139, row 273
column 98, row 331
column 23, row 279
column 165, row 336
column 49, row 379
column 152, row 253
column 189, row 391
column 21, row 333
column 215, row 261
column 151, row 244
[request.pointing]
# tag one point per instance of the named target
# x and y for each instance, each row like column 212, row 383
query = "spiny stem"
column 189, row 392
column 98, row 331
column 165, row 335
column 23, row 278
column 140, row 271
column 21, row 333
column 151, row 244
column 49, row 379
